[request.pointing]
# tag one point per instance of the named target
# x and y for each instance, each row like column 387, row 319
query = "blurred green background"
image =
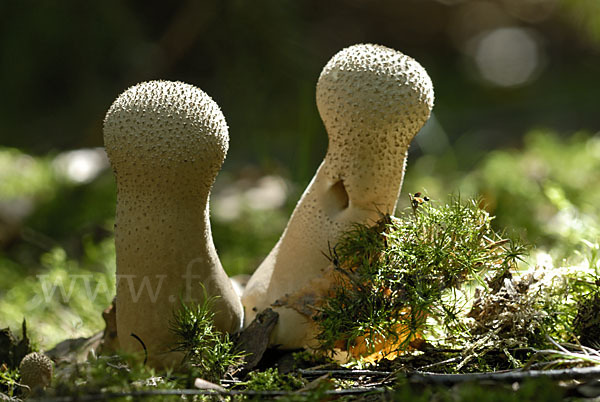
column 515, row 122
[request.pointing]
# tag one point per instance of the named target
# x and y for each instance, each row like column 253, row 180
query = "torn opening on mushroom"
column 336, row 198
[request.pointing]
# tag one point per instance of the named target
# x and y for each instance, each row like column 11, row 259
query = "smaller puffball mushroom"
column 166, row 142
column 36, row 370
column 373, row 100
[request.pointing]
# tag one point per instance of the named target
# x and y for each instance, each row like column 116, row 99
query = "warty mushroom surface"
column 166, row 142
column 373, row 100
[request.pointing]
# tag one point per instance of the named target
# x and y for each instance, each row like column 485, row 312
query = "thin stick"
column 577, row 373
column 143, row 345
column 557, row 344
column 451, row 360
column 345, row 373
column 181, row 392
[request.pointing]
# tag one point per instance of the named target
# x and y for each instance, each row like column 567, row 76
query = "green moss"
column 272, row 380
column 209, row 353
column 394, row 275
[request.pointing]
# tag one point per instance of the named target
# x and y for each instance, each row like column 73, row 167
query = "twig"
column 580, row 346
column 181, row 392
column 547, row 365
column 143, row 345
column 451, row 360
column 346, row 373
column 574, row 356
column 586, row 349
column 557, row 344
column 578, row 373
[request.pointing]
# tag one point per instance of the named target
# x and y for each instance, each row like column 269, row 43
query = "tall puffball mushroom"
column 373, row 100
column 166, row 142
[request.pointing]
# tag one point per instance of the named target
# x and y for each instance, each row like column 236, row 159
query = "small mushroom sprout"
column 373, row 100
column 166, row 142
column 36, row 370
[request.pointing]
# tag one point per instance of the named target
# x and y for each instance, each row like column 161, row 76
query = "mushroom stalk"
column 166, row 142
column 373, row 100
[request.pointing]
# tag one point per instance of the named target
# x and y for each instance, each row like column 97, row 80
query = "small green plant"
column 272, row 380
column 209, row 352
column 9, row 381
column 395, row 275
column 572, row 300
column 106, row 375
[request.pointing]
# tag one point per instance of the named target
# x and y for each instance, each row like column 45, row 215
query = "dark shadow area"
column 336, row 199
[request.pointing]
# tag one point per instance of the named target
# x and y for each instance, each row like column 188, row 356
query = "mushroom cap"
column 166, row 125
column 36, row 370
column 376, row 83
column 373, row 100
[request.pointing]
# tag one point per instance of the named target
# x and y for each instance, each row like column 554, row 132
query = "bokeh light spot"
column 507, row 57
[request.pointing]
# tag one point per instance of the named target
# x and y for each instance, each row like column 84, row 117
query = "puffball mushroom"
column 36, row 370
column 373, row 100
column 166, row 142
